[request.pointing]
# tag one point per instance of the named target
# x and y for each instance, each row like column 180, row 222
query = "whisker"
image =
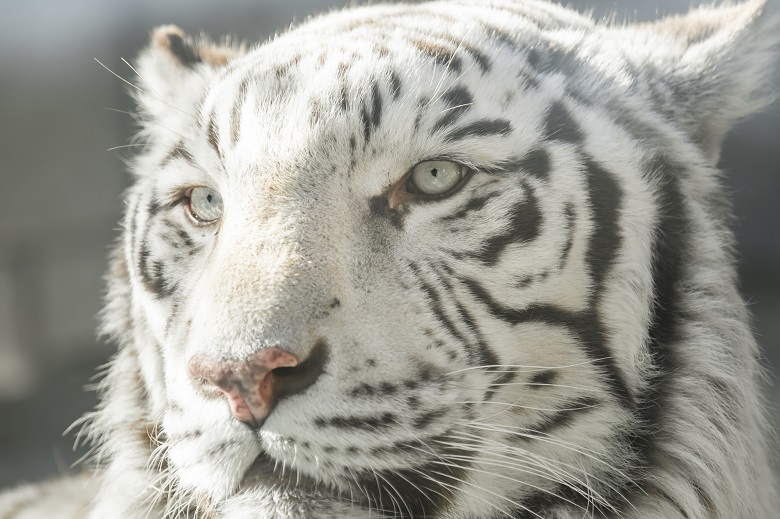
column 520, row 368
column 463, row 491
column 515, row 480
column 542, row 462
column 520, row 406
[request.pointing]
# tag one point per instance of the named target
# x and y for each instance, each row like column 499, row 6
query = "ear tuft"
column 189, row 52
column 173, row 40
column 175, row 71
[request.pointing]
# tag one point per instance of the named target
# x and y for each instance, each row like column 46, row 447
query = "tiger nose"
column 250, row 384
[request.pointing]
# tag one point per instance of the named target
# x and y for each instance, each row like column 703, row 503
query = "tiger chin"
column 456, row 260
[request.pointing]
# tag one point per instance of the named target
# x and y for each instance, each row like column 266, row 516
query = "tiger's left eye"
column 436, row 177
column 205, row 204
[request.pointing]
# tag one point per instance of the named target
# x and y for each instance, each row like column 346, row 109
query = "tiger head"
column 436, row 259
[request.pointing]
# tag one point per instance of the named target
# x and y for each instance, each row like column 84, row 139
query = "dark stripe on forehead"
column 480, row 128
column 458, row 101
column 177, row 152
column 525, row 222
column 483, row 62
column 441, row 54
column 235, row 113
column 559, row 125
column 212, row 134
column 459, row 44
column 395, row 85
column 341, row 73
column 371, row 116
column 543, row 59
column 283, row 69
column 457, row 97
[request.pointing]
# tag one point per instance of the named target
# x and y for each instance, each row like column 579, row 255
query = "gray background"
column 60, row 195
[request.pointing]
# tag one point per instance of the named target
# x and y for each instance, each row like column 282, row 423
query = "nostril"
column 247, row 383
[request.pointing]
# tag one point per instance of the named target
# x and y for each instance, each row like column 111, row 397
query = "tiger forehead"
column 290, row 106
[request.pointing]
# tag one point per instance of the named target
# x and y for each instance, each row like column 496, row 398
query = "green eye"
column 436, row 177
column 205, row 204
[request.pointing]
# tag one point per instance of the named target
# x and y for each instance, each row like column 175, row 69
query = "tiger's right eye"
column 205, row 204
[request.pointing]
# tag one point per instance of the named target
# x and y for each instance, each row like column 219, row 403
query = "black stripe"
column 441, row 54
column 484, row 355
column 212, row 134
column 395, row 85
column 436, row 306
column 235, row 113
column 458, row 101
column 480, row 128
column 562, row 417
column 583, row 326
column 544, row 59
column 606, row 198
column 535, row 163
column 152, row 272
column 667, row 314
column 371, row 117
column 283, row 69
column 482, row 60
column 570, row 223
column 341, row 73
column 474, row 205
column 523, row 226
column 424, row 420
column 559, row 125
column 177, row 152
column 543, row 378
column 364, row 423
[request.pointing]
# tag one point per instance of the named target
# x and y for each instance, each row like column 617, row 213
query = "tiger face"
column 430, row 261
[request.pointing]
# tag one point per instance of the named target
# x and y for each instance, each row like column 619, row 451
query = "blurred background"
column 60, row 194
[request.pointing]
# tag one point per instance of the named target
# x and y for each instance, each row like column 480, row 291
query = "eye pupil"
column 205, row 204
column 436, row 177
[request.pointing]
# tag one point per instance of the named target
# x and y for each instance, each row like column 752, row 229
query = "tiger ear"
column 716, row 64
column 174, row 72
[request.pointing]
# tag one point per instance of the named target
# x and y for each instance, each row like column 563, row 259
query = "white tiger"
column 449, row 260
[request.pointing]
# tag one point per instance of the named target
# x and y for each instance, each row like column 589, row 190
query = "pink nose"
column 248, row 383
